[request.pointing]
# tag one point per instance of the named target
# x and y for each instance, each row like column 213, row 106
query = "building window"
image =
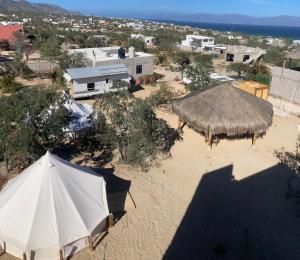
column 246, row 57
column 91, row 86
column 139, row 69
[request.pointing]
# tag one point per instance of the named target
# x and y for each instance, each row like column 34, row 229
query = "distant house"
column 148, row 40
column 91, row 81
column 102, row 39
column 138, row 63
column 296, row 42
column 198, row 42
column 7, row 32
column 244, row 54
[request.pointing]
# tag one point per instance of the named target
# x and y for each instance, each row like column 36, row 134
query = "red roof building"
column 7, row 32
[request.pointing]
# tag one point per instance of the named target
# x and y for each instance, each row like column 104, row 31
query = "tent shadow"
column 118, row 192
column 247, row 219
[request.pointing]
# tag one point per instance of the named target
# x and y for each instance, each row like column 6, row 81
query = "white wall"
column 101, row 87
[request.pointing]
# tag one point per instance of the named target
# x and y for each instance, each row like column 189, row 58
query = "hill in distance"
column 27, row 7
column 283, row 20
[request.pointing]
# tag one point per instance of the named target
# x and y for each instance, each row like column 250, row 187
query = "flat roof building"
column 148, row 40
column 138, row 63
column 240, row 53
column 198, row 41
column 91, row 81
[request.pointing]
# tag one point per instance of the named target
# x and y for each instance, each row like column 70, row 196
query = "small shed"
column 255, row 88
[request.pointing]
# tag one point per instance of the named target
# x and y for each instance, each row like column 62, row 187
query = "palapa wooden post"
column 90, row 240
column 179, row 123
column 61, row 256
column 254, row 138
column 24, row 256
column 209, row 141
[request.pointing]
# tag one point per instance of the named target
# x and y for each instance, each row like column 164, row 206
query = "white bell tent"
column 52, row 210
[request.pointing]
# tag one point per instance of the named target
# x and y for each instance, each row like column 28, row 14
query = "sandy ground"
column 202, row 203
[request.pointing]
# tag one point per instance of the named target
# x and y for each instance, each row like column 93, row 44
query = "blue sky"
column 249, row 7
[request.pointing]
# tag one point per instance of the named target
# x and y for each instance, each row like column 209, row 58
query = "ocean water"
column 263, row 30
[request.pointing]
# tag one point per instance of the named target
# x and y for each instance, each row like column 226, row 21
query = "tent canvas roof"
column 49, row 205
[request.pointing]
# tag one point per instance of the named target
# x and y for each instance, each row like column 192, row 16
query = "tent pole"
column 109, row 221
column 90, row 240
column 61, row 256
column 4, row 248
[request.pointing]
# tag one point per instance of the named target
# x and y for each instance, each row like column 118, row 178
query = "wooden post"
column 24, row 256
column 179, row 123
column 90, row 240
column 254, row 138
column 109, row 221
column 209, row 141
column 61, row 256
column 4, row 249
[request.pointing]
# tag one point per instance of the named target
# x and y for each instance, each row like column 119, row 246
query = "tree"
column 260, row 73
column 199, row 75
column 32, row 121
column 132, row 128
column 50, row 49
column 290, row 159
column 238, row 67
column 203, row 60
column 4, row 45
column 20, row 68
column 138, row 44
column 275, row 56
column 8, row 84
column 20, row 44
column 258, row 68
column 182, row 59
column 74, row 60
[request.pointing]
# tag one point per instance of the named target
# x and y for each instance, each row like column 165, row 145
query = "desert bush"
column 133, row 128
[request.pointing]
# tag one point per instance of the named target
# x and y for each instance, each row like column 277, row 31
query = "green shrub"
column 9, row 85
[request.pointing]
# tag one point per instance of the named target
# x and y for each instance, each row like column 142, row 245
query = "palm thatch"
column 225, row 110
column 293, row 55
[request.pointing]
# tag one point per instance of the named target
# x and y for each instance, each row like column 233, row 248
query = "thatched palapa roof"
column 293, row 55
column 225, row 109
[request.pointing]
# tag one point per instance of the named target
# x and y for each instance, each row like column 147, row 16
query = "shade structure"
column 51, row 206
column 225, row 110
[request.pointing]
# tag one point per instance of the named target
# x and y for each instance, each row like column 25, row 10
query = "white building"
column 138, row 63
column 296, row 42
column 198, row 41
column 91, row 81
column 148, row 40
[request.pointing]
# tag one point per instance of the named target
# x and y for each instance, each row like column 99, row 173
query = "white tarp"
column 81, row 115
column 50, row 205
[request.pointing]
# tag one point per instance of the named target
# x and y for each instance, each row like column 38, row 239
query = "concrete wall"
column 285, row 83
column 131, row 63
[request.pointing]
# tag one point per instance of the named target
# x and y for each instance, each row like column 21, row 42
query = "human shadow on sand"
column 247, row 219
